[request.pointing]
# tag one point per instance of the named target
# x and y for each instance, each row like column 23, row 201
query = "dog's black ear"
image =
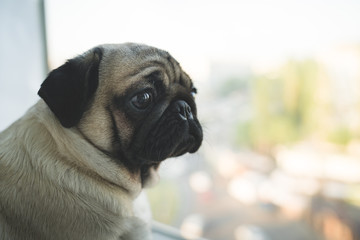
column 68, row 89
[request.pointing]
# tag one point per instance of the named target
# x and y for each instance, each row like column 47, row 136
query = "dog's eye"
column 193, row 92
column 142, row 100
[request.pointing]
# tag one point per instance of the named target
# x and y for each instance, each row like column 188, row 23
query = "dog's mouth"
column 171, row 136
column 190, row 145
column 153, row 160
column 173, row 140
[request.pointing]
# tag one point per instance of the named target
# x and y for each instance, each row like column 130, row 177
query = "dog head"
column 132, row 102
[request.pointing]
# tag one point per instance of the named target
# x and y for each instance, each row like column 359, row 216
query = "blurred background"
column 279, row 100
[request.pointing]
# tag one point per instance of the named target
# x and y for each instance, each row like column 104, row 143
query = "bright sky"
column 201, row 31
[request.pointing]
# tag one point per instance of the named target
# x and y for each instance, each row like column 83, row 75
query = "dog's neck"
column 81, row 153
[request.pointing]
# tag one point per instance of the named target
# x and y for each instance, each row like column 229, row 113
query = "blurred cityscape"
column 281, row 156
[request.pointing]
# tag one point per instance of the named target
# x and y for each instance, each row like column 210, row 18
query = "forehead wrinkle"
column 186, row 80
column 174, row 68
column 181, row 77
column 146, row 72
column 170, row 66
column 165, row 63
column 163, row 60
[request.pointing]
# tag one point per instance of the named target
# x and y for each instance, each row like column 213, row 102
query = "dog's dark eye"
column 142, row 100
column 193, row 92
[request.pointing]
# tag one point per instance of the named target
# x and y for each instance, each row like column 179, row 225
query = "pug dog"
column 72, row 166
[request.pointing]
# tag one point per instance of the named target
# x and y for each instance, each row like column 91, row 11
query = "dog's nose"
column 184, row 110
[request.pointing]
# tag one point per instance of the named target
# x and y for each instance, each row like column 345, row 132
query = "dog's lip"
column 191, row 145
column 182, row 148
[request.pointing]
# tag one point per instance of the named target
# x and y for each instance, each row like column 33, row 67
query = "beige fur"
column 48, row 184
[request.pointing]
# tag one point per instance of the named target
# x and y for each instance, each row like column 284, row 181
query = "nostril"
column 184, row 110
column 188, row 112
column 182, row 113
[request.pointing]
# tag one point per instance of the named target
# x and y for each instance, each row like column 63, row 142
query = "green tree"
column 283, row 106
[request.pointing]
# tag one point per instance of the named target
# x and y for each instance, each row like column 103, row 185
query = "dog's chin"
column 188, row 144
column 151, row 163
